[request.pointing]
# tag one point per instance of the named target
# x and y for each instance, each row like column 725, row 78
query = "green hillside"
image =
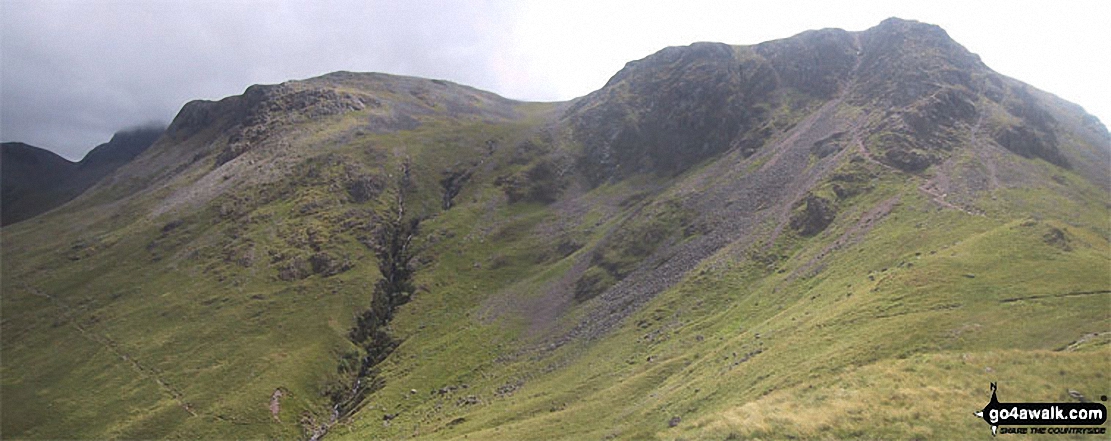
column 836, row 235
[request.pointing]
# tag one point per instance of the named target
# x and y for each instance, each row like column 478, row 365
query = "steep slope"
column 121, row 149
column 29, row 173
column 36, row 180
column 267, row 201
column 720, row 237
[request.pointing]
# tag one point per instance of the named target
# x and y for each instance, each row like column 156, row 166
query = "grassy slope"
column 923, row 313
column 222, row 337
column 124, row 326
column 920, row 314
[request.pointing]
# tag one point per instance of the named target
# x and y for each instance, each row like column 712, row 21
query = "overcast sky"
column 74, row 72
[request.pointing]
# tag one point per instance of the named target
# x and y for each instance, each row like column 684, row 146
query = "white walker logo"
column 1043, row 414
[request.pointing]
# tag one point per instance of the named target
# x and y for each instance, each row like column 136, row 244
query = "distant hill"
column 35, row 180
column 834, row 235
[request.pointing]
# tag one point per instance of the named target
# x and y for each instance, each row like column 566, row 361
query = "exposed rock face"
column 816, row 214
column 1030, row 143
column 920, row 134
column 682, row 105
column 1032, row 134
column 815, row 63
column 904, row 61
column 940, row 95
column 794, row 112
column 666, row 112
column 927, row 83
column 264, row 111
column 266, row 108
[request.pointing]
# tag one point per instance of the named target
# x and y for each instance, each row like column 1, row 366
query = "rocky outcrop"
column 813, row 216
column 815, row 63
column 683, row 105
column 267, row 108
column 668, row 111
column 1030, row 143
column 542, row 182
column 1032, row 133
column 904, row 61
column 927, row 83
column 238, row 124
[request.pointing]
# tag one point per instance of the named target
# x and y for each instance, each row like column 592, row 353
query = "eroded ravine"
column 393, row 248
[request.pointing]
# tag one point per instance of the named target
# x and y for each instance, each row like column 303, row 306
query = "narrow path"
column 111, row 345
column 939, row 198
column 929, row 187
column 1083, row 339
column 982, row 155
column 1049, row 296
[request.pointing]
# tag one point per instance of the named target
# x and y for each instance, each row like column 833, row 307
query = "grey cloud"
column 73, row 73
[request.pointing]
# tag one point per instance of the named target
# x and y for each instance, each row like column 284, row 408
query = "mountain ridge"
column 55, row 180
column 718, row 234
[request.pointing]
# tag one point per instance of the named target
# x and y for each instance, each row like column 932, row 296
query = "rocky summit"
column 833, row 235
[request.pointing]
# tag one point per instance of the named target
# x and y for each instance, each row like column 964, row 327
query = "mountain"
column 36, row 180
column 837, row 234
column 28, row 173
